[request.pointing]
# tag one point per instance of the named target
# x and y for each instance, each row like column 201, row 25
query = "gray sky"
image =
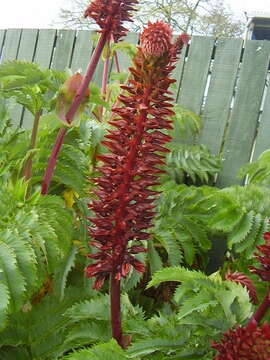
column 41, row 13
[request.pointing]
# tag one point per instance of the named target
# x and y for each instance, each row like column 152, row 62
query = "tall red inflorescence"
column 125, row 209
column 110, row 15
column 245, row 343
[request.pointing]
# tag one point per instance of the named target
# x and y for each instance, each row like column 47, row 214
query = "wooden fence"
column 224, row 81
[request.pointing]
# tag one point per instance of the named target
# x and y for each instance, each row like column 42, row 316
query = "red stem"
column 262, row 309
column 116, row 58
column 52, row 160
column 105, row 72
column 105, row 78
column 116, row 309
column 72, row 111
column 117, row 62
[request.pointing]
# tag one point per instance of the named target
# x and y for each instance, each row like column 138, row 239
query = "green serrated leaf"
column 241, row 230
column 61, row 274
column 153, row 257
column 5, row 299
column 178, row 274
column 107, row 351
column 149, row 346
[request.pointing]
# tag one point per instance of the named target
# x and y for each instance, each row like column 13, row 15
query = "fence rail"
column 224, row 81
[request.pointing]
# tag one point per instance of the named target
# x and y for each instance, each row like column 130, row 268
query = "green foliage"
column 258, row 172
column 240, row 212
column 35, row 237
column 188, row 217
column 29, row 85
column 146, row 347
column 12, row 140
column 206, row 305
column 74, row 160
column 71, row 168
column 62, row 271
column 108, row 351
column 177, row 227
column 194, row 162
column 187, row 124
column 163, row 337
column 42, row 329
column 17, row 74
column 124, row 47
column 188, row 163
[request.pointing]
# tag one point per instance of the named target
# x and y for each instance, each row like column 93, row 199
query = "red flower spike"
column 263, row 257
column 245, row 343
column 110, row 14
column 245, row 281
column 125, row 209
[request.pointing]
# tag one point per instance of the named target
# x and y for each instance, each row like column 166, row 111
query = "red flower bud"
column 156, row 39
column 66, row 95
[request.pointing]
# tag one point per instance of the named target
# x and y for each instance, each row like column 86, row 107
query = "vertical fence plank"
column 196, row 73
column 219, row 97
column 45, row 48
column 242, row 127
column 11, row 44
column 26, row 53
column 82, row 50
column 263, row 137
column 10, row 52
column 63, row 50
column 2, row 37
column 27, row 44
column 178, row 72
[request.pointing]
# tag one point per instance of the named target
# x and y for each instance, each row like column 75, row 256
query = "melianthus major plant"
column 44, row 239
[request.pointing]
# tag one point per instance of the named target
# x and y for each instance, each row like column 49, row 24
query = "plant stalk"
column 105, row 78
column 72, row 111
column 28, row 165
column 117, row 62
column 106, row 71
column 115, row 309
column 262, row 309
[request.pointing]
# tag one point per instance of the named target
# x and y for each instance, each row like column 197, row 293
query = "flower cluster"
column 245, row 343
column 245, row 281
column 125, row 208
column 110, row 14
column 264, row 259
